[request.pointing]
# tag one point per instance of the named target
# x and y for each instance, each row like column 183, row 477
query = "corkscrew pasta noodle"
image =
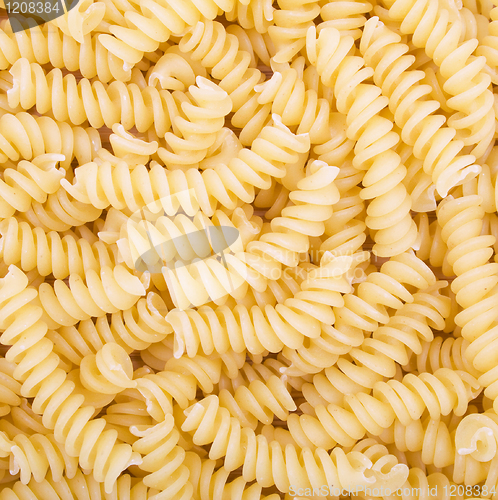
column 248, row 250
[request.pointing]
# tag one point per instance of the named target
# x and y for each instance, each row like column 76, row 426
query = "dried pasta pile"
column 249, row 250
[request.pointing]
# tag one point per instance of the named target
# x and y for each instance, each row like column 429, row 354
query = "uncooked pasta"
column 249, row 250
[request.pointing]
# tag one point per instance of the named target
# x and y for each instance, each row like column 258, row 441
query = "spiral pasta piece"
column 439, row 393
column 475, row 286
column 67, row 488
column 133, row 329
column 290, row 99
column 345, row 230
column 312, row 207
column 156, row 23
column 198, row 130
column 10, row 389
column 107, row 372
column 54, row 397
column 431, row 437
column 259, row 401
column 211, row 482
column 256, row 15
column 179, row 381
column 389, row 211
column 465, row 79
column 77, row 102
column 102, row 185
column 49, row 253
column 422, row 126
column 447, row 353
column 163, row 460
column 488, row 46
column 31, row 180
column 109, row 291
column 36, row 455
column 385, row 288
column 155, row 240
column 46, row 44
column 276, row 464
column 292, row 21
column 284, row 326
column 23, row 136
column 375, row 359
column 219, row 52
column 60, row 212
column 348, row 17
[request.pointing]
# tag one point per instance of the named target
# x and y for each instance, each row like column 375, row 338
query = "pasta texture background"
column 249, row 251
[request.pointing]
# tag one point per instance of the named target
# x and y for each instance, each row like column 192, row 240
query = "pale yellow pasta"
column 248, row 250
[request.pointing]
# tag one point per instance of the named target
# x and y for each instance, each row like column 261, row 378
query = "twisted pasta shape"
column 448, row 353
column 476, row 283
column 101, row 185
column 178, row 381
column 250, row 372
column 46, row 44
column 133, row 329
column 289, row 98
column 360, row 311
column 431, row 437
column 54, row 397
column 23, row 136
column 60, row 212
column 198, row 131
column 276, row 464
column 156, row 23
column 488, row 46
column 348, row 17
column 389, row 212
column 377, row 356
column 209, row 483
column 439, row 393
column 36, row 455
column 94, row 295
column 10, row 389
column 78, row 102
column 259, row 401
column 126, row 412
column 67, row 488
column 285, row 325
column 255, row 16
column 30, row 180
column 467, row 83
column 163, row 460
column 155, row 240
column 49, row 253
column 292, row 21
column 345, row 230
column 311, row 207
column 385, row 288
column 107, row 372
column 80, row 19
column 422, row 127
column 219, row 52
